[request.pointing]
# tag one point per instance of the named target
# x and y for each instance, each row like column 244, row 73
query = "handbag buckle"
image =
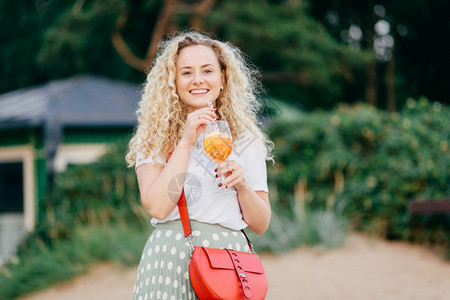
column 191, row 245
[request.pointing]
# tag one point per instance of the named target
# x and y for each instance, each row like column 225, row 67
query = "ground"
column 363, row 268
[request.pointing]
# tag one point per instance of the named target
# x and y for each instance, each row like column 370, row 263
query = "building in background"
column 44, row 129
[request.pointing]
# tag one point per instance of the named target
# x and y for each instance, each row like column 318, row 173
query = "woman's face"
column 199, row 76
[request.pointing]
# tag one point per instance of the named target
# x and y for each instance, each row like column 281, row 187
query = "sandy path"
column 361, row 269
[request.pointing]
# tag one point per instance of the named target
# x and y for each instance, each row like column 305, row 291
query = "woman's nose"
column 198, row 78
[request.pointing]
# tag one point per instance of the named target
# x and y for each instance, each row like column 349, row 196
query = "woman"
column 195, row 80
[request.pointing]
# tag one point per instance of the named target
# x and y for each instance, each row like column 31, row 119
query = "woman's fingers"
column 206, row 113
column 195, row 121
column 233, row 172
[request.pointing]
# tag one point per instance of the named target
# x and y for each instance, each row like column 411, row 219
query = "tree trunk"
column 163, row 20
column 295, row 77
column 201, row 10
column 390, row 85
column 371, row 83
column 125, row 52
column 367, row 20
column 77, row 7
column 371, row 72
column 122, row 48
column 169, row 9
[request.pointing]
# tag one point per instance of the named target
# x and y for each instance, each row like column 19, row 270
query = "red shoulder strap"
column 184, row 216
column 182, row 208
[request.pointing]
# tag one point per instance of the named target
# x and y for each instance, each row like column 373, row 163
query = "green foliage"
column 69, row 38
column 93, row 214
column 285, row 39
column 20, row 34
column 46, row 40
column 74, row 35
column 322, row 229
column 100, row 193
column 353, row 163
column 43, row 264
column 421, row 63
column 370, row 162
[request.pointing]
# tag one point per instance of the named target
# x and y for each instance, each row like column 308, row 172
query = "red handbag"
column 223, row 273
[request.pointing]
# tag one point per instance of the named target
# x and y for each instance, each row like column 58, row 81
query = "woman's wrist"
column 242, row 187
column 184, row 143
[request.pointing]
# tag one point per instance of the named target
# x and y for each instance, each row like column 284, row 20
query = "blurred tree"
column 422, row 28
column 300, row 61
column 75, row 41
column 164, row 24
column 411, row 57
column 116, row 38
column 79, row 40
column 20, row 23
column 44, row 40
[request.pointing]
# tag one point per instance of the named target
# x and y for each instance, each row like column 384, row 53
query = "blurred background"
column 355, row 99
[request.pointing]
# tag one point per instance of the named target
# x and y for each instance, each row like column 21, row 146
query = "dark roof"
column 79, row 101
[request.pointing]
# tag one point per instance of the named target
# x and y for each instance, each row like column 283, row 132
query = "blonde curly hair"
column 161, row 114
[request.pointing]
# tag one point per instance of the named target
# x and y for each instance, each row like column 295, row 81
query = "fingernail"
column 217, row 176
column 220, row 184
column 226, row 187
column 215, row 170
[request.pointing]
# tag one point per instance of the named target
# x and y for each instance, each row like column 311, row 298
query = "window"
column 11, row 187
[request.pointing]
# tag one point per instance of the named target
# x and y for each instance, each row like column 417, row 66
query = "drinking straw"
column 215, row 124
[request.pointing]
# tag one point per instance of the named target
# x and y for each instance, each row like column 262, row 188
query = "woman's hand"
column 255, row 205
column 195, row 123
column 234, row 175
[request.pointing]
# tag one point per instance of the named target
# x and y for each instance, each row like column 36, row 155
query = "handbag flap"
column 220, row 259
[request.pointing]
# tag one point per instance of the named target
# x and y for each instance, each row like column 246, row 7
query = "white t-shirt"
column 206, row 201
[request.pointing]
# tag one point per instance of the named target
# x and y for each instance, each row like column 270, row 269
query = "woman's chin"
column 199, row 103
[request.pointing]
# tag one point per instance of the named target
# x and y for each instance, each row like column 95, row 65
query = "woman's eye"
column 208, row 71
column 186, row 73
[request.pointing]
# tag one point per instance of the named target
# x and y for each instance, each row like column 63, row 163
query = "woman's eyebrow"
column 190, row 67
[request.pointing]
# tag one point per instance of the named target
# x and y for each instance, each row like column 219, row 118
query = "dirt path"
column 361, row 269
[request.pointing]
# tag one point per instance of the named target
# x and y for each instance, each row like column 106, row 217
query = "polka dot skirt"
column 163, row 271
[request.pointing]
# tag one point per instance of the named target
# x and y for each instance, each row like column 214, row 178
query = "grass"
column 41, row 265
column 321, row 229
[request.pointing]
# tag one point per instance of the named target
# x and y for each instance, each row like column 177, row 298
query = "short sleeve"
column 140, row 160
column 255, row 166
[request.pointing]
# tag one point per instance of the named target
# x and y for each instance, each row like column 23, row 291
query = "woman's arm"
column 255, row 205
column 154, row 180
column 255, row 208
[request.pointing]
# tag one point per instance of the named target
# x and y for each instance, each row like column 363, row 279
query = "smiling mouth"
column 196, row 92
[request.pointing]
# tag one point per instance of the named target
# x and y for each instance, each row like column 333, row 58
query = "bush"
column 354, row 163
column 93, row 214
column 317, row 228
column 103, row 192
column 43, row 264
column 368, row 162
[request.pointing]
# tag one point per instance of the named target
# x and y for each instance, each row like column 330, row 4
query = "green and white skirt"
column 163, row 271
